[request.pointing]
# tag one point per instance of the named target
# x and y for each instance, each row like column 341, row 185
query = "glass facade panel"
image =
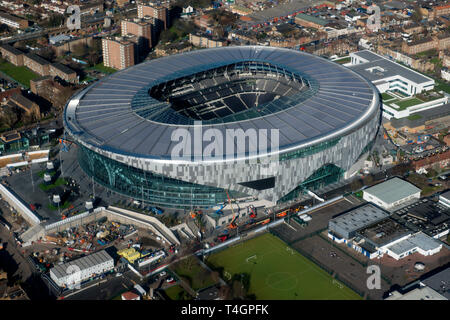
column 149, row 187
column 327, row 174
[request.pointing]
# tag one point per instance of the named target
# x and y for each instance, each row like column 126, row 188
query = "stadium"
column 311, row 118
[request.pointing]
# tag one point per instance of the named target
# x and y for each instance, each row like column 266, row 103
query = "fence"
column 17, row 204
column 68, row 221
column 315, row 261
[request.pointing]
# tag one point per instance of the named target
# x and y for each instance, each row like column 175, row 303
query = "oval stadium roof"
column 102, row 114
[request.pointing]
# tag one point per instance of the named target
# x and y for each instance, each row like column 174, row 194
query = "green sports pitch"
column 278, row 272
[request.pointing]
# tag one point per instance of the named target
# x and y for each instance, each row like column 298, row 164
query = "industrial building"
column 79, row 270
column 312, row 118
column 347, row 224
column 392, row 193
column 428, row 287
column 418, row 242
column 371, row 231
column 422, row 293
column 430, row 216
column 444, row 198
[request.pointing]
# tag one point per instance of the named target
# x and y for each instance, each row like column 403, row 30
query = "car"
column 118, row 274
column 162, row 274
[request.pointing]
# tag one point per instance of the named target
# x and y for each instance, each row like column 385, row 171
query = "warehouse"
column 429, row 216
column 392, row 193
column 418, row 242
column 347, row 224
column 444, row 198
column 373, row 233
column 77, row 271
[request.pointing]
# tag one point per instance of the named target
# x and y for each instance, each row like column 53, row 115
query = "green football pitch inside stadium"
column 278, row 272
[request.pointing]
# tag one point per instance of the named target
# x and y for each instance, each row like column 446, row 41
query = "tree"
column 368, row 180
column 93, row 58
column 417, row 15
column 356, row 184
column 55, row 20
column 80, row 49
column 48, row 54
column 431, row 173
column 8, row 117
column 167, row 36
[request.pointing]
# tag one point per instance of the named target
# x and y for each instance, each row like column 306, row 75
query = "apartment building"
column 159, row 12
column 205, row 41
column 439, row 42
column 118, row 53
column 91, row 8
column 27, row 106
column 36, row 64
column 308, row 21
column 63, row 72
column 142, row 29
column 440, row 11
column 12, row 54
column 13, row 22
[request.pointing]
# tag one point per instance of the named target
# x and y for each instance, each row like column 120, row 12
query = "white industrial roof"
column 390, row 68
column 82, row 263
column 424, row 293
column 392, row 190
column 418, row 240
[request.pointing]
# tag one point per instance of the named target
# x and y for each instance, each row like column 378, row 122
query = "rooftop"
column 37, row 59
column 429, row 211
column 425, row 116
column 440, row 282
column 11, row 49
column 63, row 68
column 445, row 195
column 10, row 17
column 101, row 115
column 389, row 68
column 312, row 19
column 384, row 232
column 83, row 263
column 424, row 293
column 392, row 190
column 22, row 101
column 418, row 240
column 360, row 217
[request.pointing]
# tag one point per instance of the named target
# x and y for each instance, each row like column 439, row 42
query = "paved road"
column 106, row 290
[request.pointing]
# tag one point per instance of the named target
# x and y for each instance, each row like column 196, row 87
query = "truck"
column 223, row 237
column 156, row 210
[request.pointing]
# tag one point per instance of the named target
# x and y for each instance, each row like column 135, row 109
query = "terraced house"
column 36, row 64
column 12, row 54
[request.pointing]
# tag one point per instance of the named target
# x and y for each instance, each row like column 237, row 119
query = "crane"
column 232, row 224
column 253, row 210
